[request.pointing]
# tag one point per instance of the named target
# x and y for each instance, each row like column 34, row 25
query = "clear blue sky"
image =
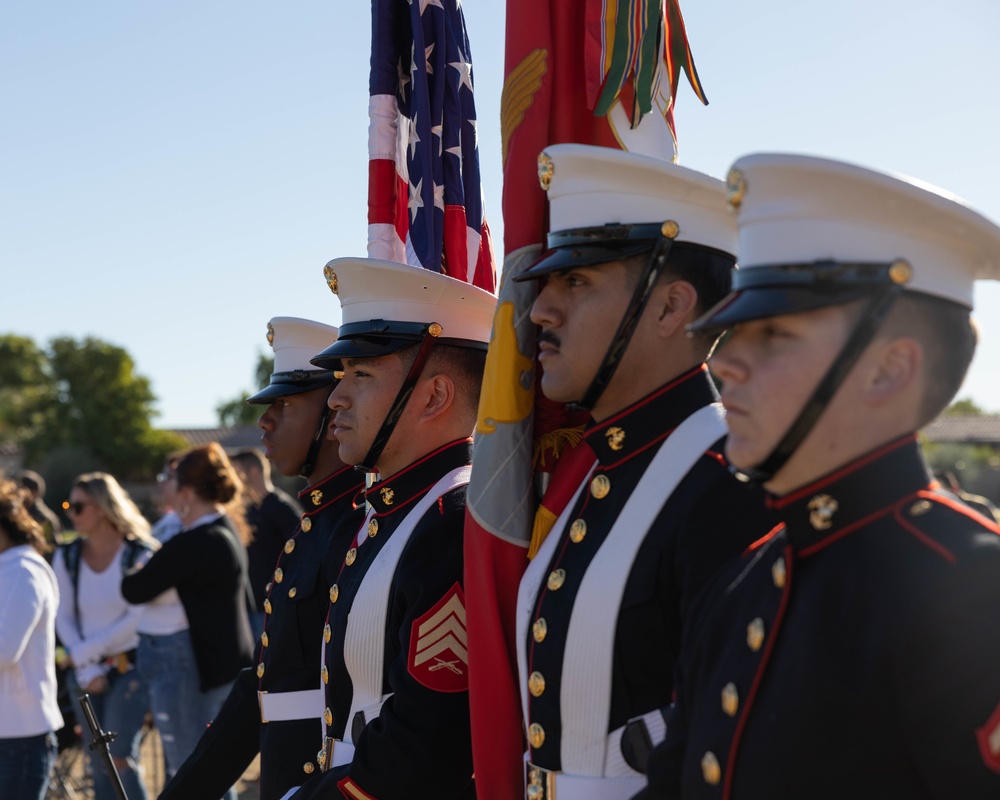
column 175, row 174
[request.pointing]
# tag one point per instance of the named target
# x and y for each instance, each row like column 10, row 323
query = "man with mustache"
column 272, row 706
column 854, row 651
column 638, row 249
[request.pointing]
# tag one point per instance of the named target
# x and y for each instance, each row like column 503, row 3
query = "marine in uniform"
column 396, row 717
column 854, row 652
column 272, row 706
column 638, row 249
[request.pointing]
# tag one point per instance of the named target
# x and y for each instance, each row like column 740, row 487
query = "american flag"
column 425, row 201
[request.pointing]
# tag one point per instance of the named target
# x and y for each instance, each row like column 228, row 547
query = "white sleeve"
column 20, row 610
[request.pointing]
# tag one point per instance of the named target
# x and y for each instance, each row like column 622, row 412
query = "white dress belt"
column 283, row 706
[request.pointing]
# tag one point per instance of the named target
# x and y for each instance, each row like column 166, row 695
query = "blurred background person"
column 97, row 628
column 29, row 597
column 190, row 671
column 272, row 516
column 169, row 524
column 41, row 513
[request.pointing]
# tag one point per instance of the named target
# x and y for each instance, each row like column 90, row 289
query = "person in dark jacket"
column 854, row 651
column 191, row 670
column 274, row 706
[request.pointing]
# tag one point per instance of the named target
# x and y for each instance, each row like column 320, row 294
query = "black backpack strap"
column 71, row 553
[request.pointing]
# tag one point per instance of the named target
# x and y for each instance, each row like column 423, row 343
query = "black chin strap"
column 317, row 442
column 402, row 397
column 855, row 345
column 640, row 297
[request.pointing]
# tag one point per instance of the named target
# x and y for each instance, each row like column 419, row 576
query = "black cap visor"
column 286, row 383
column 374, row 338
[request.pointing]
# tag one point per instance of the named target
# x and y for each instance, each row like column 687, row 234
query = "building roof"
column 231, row 439
column 970, row 429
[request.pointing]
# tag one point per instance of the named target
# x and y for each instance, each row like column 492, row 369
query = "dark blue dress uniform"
column 417, row 744
column 708, row 519
column 286, row 657
column 854, row 653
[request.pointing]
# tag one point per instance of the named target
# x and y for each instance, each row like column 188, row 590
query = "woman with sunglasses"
column 96, row 626
column 28, row 600
column 191, row 670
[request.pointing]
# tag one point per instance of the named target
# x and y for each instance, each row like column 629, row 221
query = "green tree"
column 237, row 411
column 25, row 385
column 965, row 407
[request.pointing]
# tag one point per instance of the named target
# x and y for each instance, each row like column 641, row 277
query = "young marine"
column 272, row 706
column 412, row 348
column 639, row 248
column 855, row 651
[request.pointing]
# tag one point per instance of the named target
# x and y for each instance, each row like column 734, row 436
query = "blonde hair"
column 108, row 495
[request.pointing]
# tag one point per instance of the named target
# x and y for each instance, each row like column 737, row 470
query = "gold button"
column 269, row 585
column 289, row 545
column 325, row 674
column 308, row 768
column 535, row 792
column 267, row 606
column 710, row 769
column 263, row 638
column 307, row 524
column 372, row 527
column 600, row 486
column 539, row 629
column 755, row 634
column 778, row 573
column 328, row 716
column 279, row 576
column 327, row 634
column 577, row 531
column 556, row 579
column 730, row 699
column 351, row 555
column 292, row 592
column 536, row 735
column 920, row 508
column 334, row 593
column 536, row 684
column 260, row 670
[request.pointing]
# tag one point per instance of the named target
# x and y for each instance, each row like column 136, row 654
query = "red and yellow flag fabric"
column 600, row 72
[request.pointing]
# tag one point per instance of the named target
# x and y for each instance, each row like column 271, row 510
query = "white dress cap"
column 795, row 209
column 370, row 289
column 296, row 340
column 592, row 186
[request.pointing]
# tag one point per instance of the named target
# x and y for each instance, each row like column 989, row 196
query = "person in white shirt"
column 28, row 600
column 95, row 624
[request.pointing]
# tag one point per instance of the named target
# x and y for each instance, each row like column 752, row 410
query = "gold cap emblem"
column 331, row 279
column 316, row 495
column 615, row 437
column 270, row 334
column 536, row 735
column 546, row 169
column 736, row 189
column 755, row 634
column 536, row 684
column 730, row 699
column 821, row 510
column 577, row 531
column 387, row 495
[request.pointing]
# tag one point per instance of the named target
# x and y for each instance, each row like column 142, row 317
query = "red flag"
column 564, row 60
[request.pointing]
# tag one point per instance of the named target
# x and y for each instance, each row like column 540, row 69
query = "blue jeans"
column 25, row 766
column 121, row 708
column 181, row 710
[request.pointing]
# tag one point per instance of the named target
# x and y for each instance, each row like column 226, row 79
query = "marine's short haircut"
column 464, row 365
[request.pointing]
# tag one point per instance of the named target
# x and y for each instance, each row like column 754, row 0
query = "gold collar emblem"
column 615, row 437
column 821, row 510
column 316, row 496
column 387, row 495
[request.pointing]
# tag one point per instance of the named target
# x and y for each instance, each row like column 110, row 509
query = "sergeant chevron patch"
column 438, row 657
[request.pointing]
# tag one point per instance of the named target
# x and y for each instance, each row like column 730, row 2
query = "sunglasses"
column 76, row 507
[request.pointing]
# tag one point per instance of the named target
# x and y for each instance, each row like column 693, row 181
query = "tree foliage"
column 966, row 407
column 237, row 411
column 80, row 405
